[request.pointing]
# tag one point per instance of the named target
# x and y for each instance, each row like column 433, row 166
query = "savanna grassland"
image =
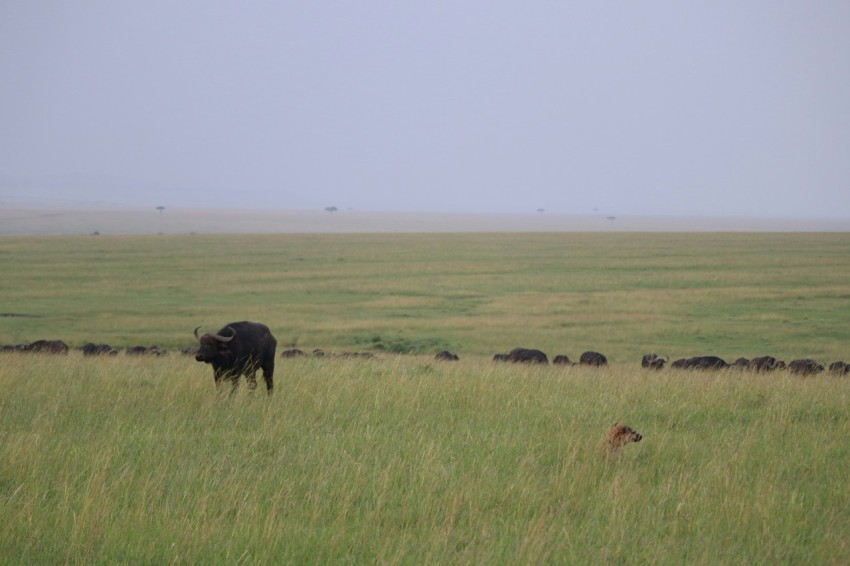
column 402, row 459
column 621, row 294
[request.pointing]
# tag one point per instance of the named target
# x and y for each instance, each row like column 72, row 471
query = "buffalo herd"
column 654, row 361
column 39, row 346
column 241, row 348
column 88, row 349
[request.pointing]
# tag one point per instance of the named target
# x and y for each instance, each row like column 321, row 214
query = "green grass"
column 622, row 294
column 402, row 459
column 406, row 460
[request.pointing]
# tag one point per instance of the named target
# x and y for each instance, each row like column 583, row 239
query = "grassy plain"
column 403, row 459
column 622, row 294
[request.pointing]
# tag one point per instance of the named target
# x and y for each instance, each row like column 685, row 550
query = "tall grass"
column 405, row 460
column 402, row 459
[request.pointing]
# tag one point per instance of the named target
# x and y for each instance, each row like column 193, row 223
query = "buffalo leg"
column 267, row 376
column 251, row 378
column 218, row 375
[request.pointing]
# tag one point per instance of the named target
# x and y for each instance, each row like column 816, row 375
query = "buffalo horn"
column 225, row 338
column 219, row 337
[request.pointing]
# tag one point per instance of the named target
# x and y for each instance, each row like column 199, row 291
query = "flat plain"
column 403, row 459
column 113, row 221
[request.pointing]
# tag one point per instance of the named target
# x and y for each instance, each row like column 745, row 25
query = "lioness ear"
column 615, row 424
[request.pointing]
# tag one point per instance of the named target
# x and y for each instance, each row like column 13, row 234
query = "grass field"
column 732, row 295
column 402, row 459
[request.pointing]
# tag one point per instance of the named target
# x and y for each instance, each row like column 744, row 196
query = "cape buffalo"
column 240, row 348
column 805, row 367
column 562, row 360
column 48, row 346
column 364, row 355
column 653, row 361
column 839, row 367
column 708, row 362
column 447, row 356
column 293, row 353
column 92, row 349
column 593, row 359
column 700, row 362
column 526, row 355
column 765, row 363
column 145, row 351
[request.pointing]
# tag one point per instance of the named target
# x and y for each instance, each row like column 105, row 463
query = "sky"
column 723, row 107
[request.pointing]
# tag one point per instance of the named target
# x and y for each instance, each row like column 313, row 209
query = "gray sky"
column 631, row 107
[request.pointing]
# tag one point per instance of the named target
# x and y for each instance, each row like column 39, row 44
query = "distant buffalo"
column 700, row 362
column 765, row 363
column 562, row 360
column 47, row 347
column 240, row 348
column 527, row 355
column 805, row 367
column 593, row 359
column 319, row 353
column 145, row 351
column 293, row 353
column 447, row 356
column 364, row 355
column 653, row 361
column 840, row 368
column 501, row 357
column 708, row 362
column 92, row 349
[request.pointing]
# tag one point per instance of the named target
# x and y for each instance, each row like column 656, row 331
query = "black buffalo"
column 593, row 359
column 92, row 349
column 47, row 346
column 293, row 353
column 145, row 351
column 447, row 356
column 653, row 361
column 527, row 355
column 240, row 348
column 840, row 368
column 364, row 355
column 708, row 362
column 562, row 360
column 805, row 367
column 700, row 362
column 501, row 357
column 765, row 363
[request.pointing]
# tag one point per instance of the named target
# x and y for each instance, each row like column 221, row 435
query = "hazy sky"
column 626, row 107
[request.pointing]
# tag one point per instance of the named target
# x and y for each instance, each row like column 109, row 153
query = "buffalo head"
column 212, row 346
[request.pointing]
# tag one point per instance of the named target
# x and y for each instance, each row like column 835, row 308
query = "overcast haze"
column 632, row 107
